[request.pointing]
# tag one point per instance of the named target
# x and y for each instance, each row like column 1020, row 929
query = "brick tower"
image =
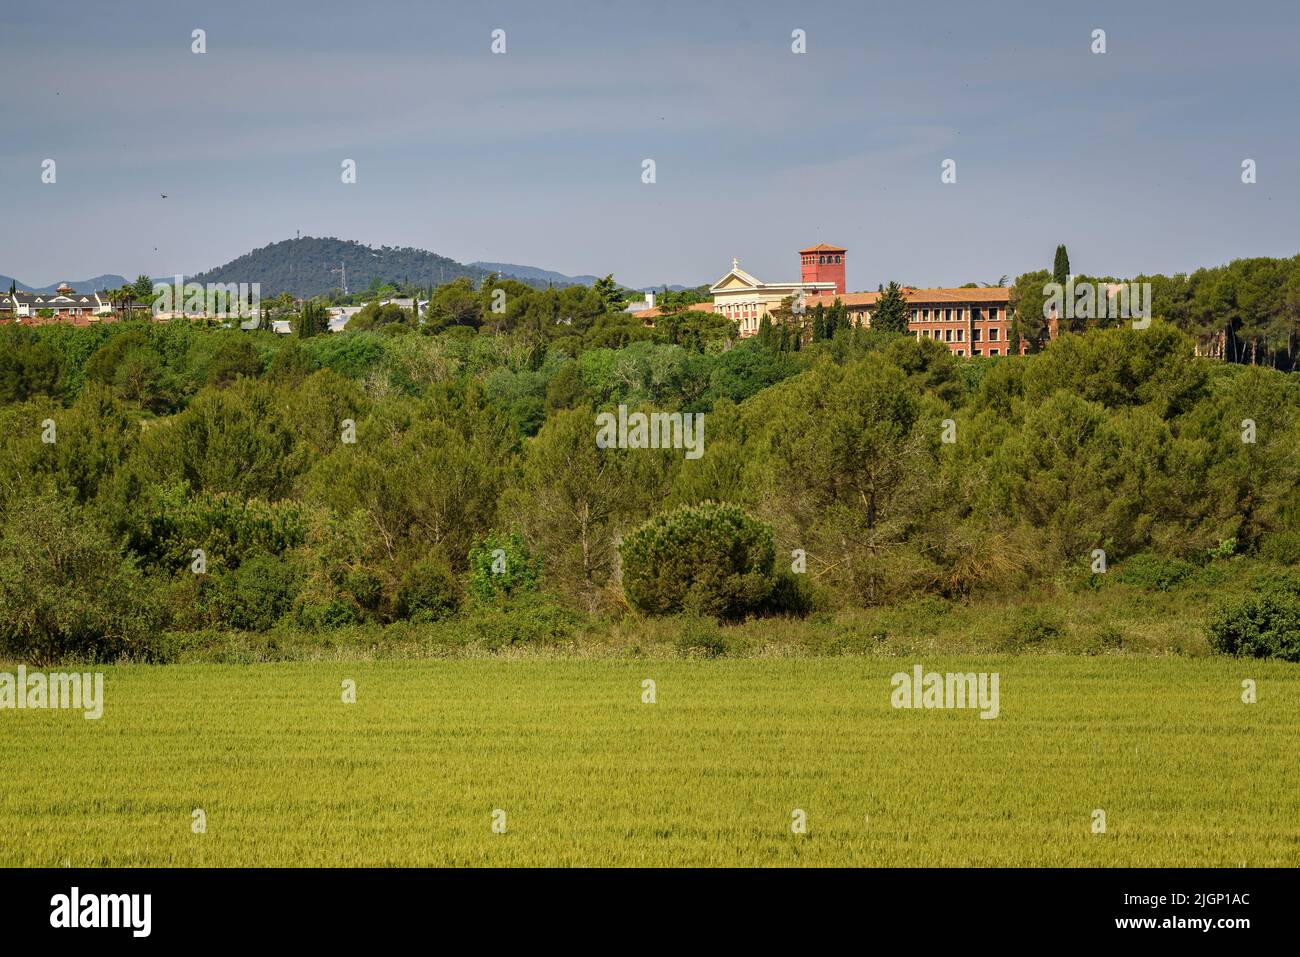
column 823, row 263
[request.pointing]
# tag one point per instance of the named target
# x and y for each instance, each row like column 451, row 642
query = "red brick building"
column 823, row 263
column 972, row 321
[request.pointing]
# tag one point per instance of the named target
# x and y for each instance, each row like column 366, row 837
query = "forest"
column 172, row 488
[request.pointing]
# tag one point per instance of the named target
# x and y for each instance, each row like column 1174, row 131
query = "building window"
column 961, row 352
column 959, row 334
column 947, row 335
column 976, row 352
column 975, row 314
column 993, row 313
column 993, row 352
column 947, row 315
column 914, row 315
column 975, row 335
column 839, row 259
column 821, row 260
column 925, row 315
column 993, row 335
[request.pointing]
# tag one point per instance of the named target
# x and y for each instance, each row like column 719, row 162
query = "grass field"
column 587, row 774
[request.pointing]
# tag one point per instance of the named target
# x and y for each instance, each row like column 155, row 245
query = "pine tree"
column 891, row 310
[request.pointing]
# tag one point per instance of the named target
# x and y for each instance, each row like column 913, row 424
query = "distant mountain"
column 516, row 271
column 98, row 284
column 313, row 266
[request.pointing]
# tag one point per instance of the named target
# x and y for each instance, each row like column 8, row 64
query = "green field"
column 587, row 774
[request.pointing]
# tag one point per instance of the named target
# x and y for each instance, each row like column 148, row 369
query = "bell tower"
column 823, row 263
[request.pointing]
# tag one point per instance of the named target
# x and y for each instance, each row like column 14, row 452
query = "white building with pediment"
column 746, row 299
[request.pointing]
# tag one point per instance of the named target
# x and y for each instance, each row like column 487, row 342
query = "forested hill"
column 312, row 266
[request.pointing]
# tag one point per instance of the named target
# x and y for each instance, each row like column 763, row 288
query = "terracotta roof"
column 997, row 294
column 824, row 248
column 656, row 311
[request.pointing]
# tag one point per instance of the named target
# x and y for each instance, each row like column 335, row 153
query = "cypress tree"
column 1061, row 266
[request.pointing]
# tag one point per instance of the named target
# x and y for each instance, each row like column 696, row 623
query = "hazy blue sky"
column 1132, row 158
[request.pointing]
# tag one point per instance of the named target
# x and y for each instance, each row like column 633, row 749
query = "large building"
column 971, row 321
column 65, row 305
column 746, row 299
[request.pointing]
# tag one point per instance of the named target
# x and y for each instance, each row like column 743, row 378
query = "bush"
column 503, row 565
column 523, row 619
column 1281, row 547
column 1265, row 625
column 701, row 636
column 1032, row 628
column 1155, row 573
column 706, row 559
column 258, row 593
column 428, row 591
column 66, row 591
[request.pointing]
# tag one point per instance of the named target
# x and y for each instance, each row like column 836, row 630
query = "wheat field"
column 580, row 770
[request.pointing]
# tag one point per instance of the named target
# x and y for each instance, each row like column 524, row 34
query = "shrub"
column 1225, row 549
column 233, row 358
column 707, row 559
column 1110, row 637
column 700, row 636
column 529, row 619
column 258, row 593
column 1281, row 547
column 1265, row 625
column 1155, row 573
column 65, row 589
column 1033, row 628
column 503, row 565
column 428, row 591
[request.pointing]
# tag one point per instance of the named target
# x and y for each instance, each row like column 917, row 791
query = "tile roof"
column 824, row 248
column 994, row 294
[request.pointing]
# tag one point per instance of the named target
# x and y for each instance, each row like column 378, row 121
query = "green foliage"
column 28, row 366
column 66, row 591
column 1155, row 573
column 257, row 594
column 501, row 566
column 1032, row 628
column 1265, row 625
column 235, row 357
column 313, row 321
column 892, row 312
column 429, row 591
column 1061, row 265
column 710, row 559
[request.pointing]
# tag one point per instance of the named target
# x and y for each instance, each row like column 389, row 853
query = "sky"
column 1132, row 157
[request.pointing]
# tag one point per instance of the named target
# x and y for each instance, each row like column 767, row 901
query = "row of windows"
column 823, row 260
column 949, row 315
column 977, row 352
column 946, row 335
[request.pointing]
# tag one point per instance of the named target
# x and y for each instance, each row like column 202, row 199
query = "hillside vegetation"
column 173, row 491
